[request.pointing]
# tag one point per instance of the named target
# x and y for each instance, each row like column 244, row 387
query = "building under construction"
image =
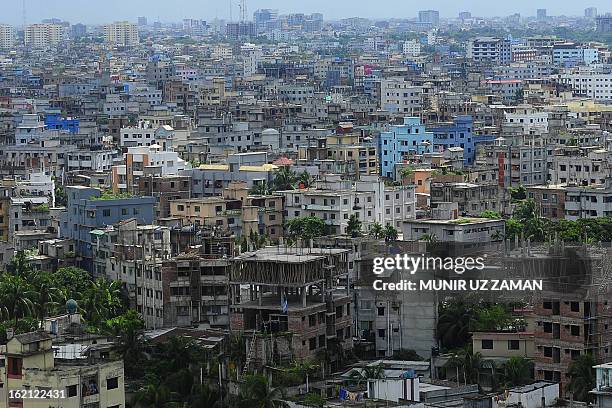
column 287, row 304
column 195, row 283
column 574, row 311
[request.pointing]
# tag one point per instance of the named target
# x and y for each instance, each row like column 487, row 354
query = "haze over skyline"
column 93, row 12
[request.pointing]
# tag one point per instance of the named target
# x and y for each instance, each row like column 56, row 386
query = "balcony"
column 317, row 207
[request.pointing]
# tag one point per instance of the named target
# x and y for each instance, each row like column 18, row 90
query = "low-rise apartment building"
column 472, row 199
column 31, row 361
column 589, row 201
column 335, row 200
column 503, row 345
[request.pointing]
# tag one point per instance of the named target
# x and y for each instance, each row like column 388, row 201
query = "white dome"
column 270, row 132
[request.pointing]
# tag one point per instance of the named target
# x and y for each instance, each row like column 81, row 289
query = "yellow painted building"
column 503, row 345
column 236, row 210
column 30, row 364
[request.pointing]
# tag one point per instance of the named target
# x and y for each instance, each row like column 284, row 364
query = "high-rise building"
column 262, row 16
column 7, row 36
column 79, row 30
column 541, row 14
column 465, row 15
column 43, row 35
column 194, row 27
column 590, row 12
column 489, row 50
column 429, row 16
column 121, row 33
column 242, row 29
column 604, row 23
column 142, row 21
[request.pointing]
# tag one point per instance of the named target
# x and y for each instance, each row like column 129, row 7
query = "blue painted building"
column 54, row 121
column 459, row 134
column 84, row 214
column 401, row 141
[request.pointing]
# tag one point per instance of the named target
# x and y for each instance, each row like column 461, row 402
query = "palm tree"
column 47, row 296
column 284, row 178
column 582, row 377
column 16, row 297
column 305, row 368
column 370, row 372
column 20, row 265
column 429, row 238
column 455, row 322
column 255, row 391
column 101, row 301
column 469, row 363
column 516, row 371
column 129, row 331
column 204, row 396
column 256, row 240
column 390, row 233
column 376, row 230
column 353, row 227
column 180, row 352
column 155, row 395
column 497, row 236
column 263, row 188
column 236, row 351
column 305, row 179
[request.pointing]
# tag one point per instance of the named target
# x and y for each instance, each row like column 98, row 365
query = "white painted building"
column 43, row 35
column 589, row 201
column 147, row 134
column 532, row 121
column 335, row 200
column 399, row 96
column 489, row 50
column 251, row 56
column 411, row 48
column 8, row 36
column 121, row 33
column 593, row 85
column 30, row 129
column 91, row 160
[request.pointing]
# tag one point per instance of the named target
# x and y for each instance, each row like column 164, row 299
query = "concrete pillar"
column 259, row 295
column 303, row 289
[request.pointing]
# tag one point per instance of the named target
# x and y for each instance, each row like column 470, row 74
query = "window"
column 487, row 344
column 14, row 367
column 575, row 306
column 575, row 330
column 124, row 211
column 112, row 383
column 381, row 311
column 312, row 343
column 381, row 333
column 71, row 391
column 106, row 213
column 513, row 345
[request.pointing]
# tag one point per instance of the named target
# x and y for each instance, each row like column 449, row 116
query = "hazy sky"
column 100, row 11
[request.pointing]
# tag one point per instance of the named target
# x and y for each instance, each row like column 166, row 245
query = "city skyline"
column 113, row 10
